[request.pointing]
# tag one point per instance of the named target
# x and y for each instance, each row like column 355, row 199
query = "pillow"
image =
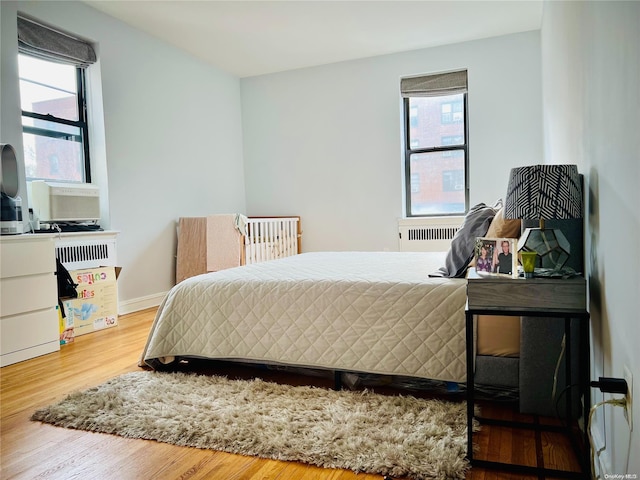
column 503, row 228
column 475, row 224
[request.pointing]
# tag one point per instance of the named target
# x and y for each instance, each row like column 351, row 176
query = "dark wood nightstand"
column 535, row 297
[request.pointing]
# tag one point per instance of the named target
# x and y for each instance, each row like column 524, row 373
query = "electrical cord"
column 555, row 374
column 557, row 402
column 618, row 402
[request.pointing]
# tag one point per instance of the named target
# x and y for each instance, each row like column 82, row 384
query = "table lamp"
column 544, row 192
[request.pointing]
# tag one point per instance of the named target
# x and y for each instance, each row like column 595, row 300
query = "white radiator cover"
column 87, row 250
column 427, row 234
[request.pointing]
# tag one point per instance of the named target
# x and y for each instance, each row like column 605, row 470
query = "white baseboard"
column 602, row 461
column 140, row 303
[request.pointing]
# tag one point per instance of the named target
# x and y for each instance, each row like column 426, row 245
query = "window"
column 54, row 127
column 436, row 149
column 452, row 112
column 53, row 101
column 452, row 140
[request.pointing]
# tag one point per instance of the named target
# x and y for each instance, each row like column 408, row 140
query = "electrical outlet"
column 628, row 410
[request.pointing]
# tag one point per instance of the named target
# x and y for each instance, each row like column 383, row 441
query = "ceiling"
column 248, row 38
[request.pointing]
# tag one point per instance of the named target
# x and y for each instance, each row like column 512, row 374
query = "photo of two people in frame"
column 496, row 256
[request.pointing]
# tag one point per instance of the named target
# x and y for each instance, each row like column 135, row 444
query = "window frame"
column 409, row 151
column 82, row 123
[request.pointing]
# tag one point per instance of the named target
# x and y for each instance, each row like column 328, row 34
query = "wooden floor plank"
column 33, row 450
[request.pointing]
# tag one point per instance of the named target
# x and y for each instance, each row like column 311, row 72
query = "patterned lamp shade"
column 540, row 192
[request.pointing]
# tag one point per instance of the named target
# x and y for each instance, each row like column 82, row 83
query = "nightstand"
column 564, row 299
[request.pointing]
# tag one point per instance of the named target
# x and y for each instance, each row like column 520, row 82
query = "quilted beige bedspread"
column 374, row 312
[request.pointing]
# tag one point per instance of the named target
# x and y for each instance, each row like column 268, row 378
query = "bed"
column 370, row 312
column 389, row 313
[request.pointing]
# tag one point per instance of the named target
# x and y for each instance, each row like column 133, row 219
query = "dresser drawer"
column 27, row 256
column 29, row 330
column 24, row 294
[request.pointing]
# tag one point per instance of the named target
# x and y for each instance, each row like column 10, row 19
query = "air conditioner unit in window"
column 65, row 202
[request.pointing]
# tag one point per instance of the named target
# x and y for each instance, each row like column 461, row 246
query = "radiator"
column 269, row 238
column 86, row 250
column 428, row 234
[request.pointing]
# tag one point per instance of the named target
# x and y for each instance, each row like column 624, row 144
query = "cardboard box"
column 96, row 307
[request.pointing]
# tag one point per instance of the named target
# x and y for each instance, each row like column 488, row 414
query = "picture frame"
column 496, row 256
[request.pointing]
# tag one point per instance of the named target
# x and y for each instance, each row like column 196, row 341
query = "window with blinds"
column 53, row 101
column 435, row 144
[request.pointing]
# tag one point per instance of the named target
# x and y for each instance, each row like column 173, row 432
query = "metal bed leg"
column 337, row 380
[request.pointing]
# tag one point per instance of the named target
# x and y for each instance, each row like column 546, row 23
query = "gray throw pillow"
column 476, row 224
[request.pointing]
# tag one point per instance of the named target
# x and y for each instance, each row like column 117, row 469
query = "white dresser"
column 29, row 295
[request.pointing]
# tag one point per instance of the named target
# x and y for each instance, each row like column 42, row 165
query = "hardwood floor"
column 31, row 450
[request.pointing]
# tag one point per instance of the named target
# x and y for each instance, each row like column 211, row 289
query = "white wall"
column 591, row 67
column 325, row 142
column 172, row 144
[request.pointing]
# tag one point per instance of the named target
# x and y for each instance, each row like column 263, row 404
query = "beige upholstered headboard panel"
column 498, row 336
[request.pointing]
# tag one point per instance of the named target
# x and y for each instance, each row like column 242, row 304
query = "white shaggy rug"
column 360, row 431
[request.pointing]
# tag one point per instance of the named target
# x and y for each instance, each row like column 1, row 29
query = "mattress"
column 373, row 312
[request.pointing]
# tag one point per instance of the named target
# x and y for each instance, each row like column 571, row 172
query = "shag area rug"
column 361, row 431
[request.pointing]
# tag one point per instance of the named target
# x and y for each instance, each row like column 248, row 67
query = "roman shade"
column 46, row 43
column 449, row 83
